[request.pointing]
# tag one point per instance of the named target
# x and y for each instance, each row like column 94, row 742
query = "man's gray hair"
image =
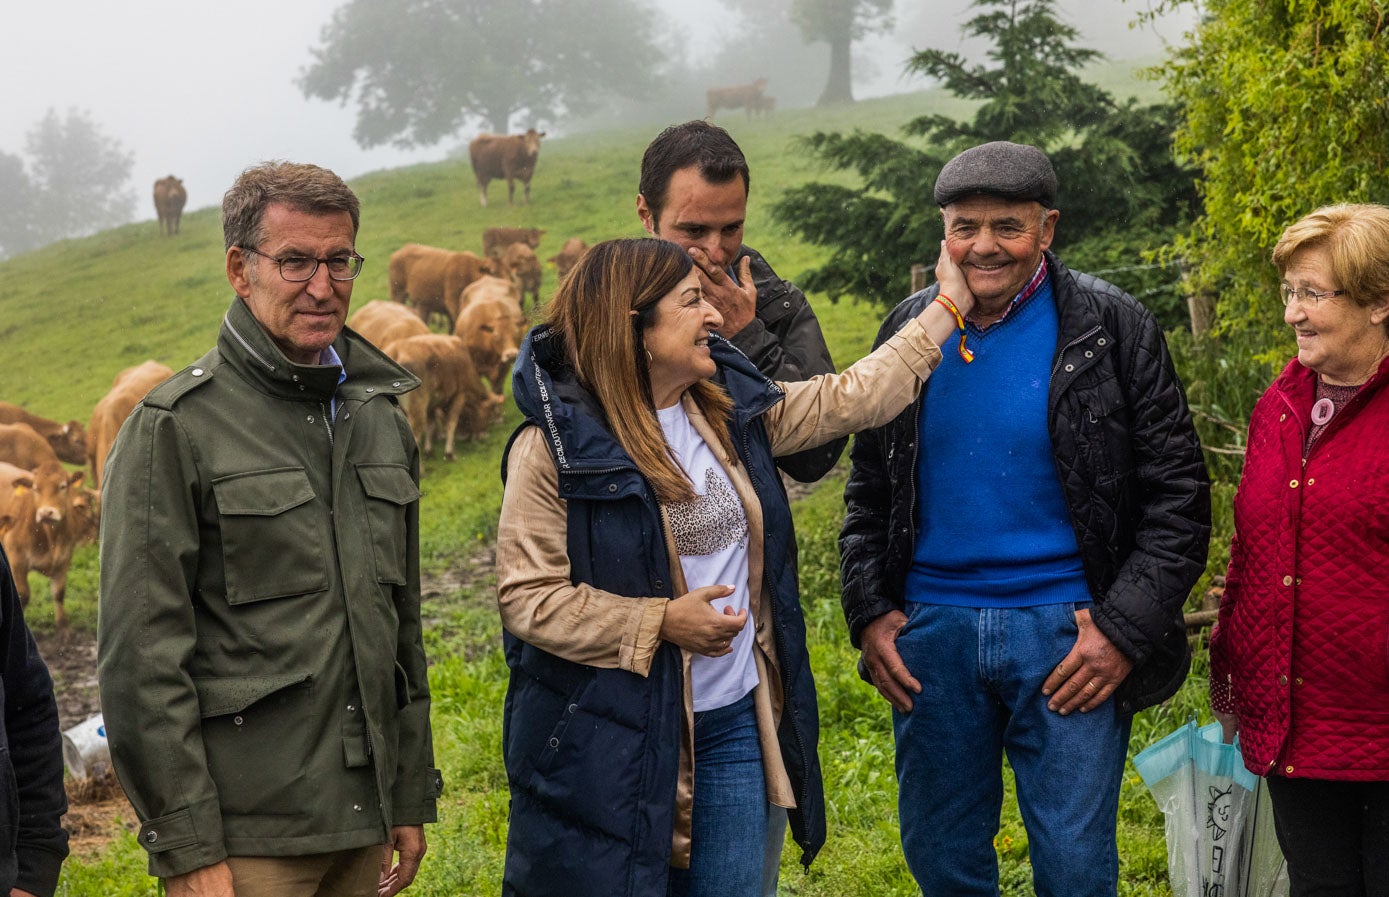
column 302, row 187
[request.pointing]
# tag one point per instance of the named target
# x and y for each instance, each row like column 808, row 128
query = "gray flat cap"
column 1009, row 170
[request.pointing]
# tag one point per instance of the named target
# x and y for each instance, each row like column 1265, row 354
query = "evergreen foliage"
column 419, row 70
column 1119, row 184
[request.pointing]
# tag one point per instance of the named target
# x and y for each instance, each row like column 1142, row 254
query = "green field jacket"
column 259, row 655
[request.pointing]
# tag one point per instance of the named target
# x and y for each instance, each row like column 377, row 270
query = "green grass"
column 73, row 314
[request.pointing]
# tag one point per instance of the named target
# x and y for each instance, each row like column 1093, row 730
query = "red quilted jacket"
column 1301, row 651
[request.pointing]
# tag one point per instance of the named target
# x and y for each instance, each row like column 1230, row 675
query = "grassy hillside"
column 74, row 314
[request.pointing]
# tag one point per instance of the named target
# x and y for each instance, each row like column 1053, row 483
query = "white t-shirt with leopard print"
column 711, row 534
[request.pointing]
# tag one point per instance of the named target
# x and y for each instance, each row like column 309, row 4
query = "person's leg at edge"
column 776, row 840
column 1334, row 835
column 729, row 825
column 343, row 873
column 949, row 760
column 1068, row 769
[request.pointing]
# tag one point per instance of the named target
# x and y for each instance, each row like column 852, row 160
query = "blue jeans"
column 981, row 672
column 728, row 839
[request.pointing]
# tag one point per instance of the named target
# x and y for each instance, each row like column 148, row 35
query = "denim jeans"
column 981, row 672
column 728, row 839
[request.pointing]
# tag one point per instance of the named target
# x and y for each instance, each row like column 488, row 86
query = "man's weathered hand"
column 1088, row 675
column 885, row 667
column 735, row 300
column 408, row 841
column 209, row 881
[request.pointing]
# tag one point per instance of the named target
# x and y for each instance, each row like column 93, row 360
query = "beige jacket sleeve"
column 538, row 602
column 868, row 393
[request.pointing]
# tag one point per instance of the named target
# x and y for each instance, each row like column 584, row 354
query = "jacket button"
column 1089, row 354
column 310, row 418
column 1292, row 484
column 1282, row 417
column 237, row 720
column 1283, row 680
column 1288, row 769
column 786, row 304
column 151, row 836
column 371, row 389
column 357, row 807
column 1101, row 341
column 1070, row 367
column 554, row 742
column 573, row 708
column 659, row 584
column 197, row 372
column 1311, row 480
column 1298, row 680
column 568, row 487
column 1287, row 580
column 612, row 487
column 351, row 708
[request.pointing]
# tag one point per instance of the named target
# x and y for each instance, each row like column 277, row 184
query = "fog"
column 203, row 90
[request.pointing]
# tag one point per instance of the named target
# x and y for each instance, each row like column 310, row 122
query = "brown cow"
column 69, row 440
column 524, row 270
column 43, row 529
column 496, row 239
column 450, row 392
column 491, row 328
column 169, row 197
column 381, row 323
column 510, row 156
column 21, row 446
column 744, row 96
column 432, row 279
column 130, row 386
column 569, row 255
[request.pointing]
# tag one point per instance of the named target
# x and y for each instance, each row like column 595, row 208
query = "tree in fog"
column 419, row 70
column 76, row 182
column 839, row 23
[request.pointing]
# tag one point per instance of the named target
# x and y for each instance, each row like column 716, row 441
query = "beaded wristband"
column 944, row 300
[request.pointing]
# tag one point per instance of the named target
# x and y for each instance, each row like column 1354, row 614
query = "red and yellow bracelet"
column 944, row 300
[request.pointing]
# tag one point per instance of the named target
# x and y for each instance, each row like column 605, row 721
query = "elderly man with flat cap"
column 1019, row 544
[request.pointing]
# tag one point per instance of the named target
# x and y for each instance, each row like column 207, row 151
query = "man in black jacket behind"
column 1018, row 545
column 32, row 840
column 694, row 192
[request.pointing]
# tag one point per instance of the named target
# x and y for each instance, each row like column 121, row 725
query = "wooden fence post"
column 918, row 278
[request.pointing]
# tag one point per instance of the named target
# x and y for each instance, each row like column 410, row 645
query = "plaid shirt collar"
column 1028, row 291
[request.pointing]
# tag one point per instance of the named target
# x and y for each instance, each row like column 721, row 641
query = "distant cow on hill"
column 44, row 528
column 169, row 197
column 569, row 255
column 744, row 96
column 510, row 156
column 432, row 278
column 496, row 239
column 381, row 323
column 130, row 386
column 761, row 106
column 524, row 270
column 69, row 440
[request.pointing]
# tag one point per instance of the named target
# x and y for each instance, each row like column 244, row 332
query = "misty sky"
column 202, row 90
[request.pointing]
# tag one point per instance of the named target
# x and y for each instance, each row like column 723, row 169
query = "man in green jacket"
column 260, row 658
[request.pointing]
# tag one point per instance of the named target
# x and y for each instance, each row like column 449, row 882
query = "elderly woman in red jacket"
column 1300, row 657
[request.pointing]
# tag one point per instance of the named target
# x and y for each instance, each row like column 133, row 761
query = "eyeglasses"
column 299, row 268
column 1306, row 296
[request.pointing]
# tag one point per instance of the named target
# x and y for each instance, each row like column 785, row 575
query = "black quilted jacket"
column 1130, row 465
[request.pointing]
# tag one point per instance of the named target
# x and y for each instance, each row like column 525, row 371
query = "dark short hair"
column 680, row 146
column 302, row 187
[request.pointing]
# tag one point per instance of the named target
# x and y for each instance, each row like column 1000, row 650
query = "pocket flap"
column 230, row 694
column 388, row 482
column 263, row 493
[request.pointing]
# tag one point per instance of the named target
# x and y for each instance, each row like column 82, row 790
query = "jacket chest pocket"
column 273, row 541
column 1102, row 431
column 390, row 490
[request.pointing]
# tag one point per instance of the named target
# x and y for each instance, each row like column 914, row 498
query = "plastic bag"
column 1219, row 823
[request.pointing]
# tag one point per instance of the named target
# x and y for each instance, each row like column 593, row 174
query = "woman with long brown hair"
column 661, row 697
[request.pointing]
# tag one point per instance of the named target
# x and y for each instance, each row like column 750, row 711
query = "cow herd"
column 46, row 510
column 478, row 302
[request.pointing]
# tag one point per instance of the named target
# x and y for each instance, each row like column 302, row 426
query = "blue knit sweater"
column 993, row 529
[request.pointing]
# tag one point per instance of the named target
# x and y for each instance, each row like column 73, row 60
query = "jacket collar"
column 246, row 347
column 547, row 392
